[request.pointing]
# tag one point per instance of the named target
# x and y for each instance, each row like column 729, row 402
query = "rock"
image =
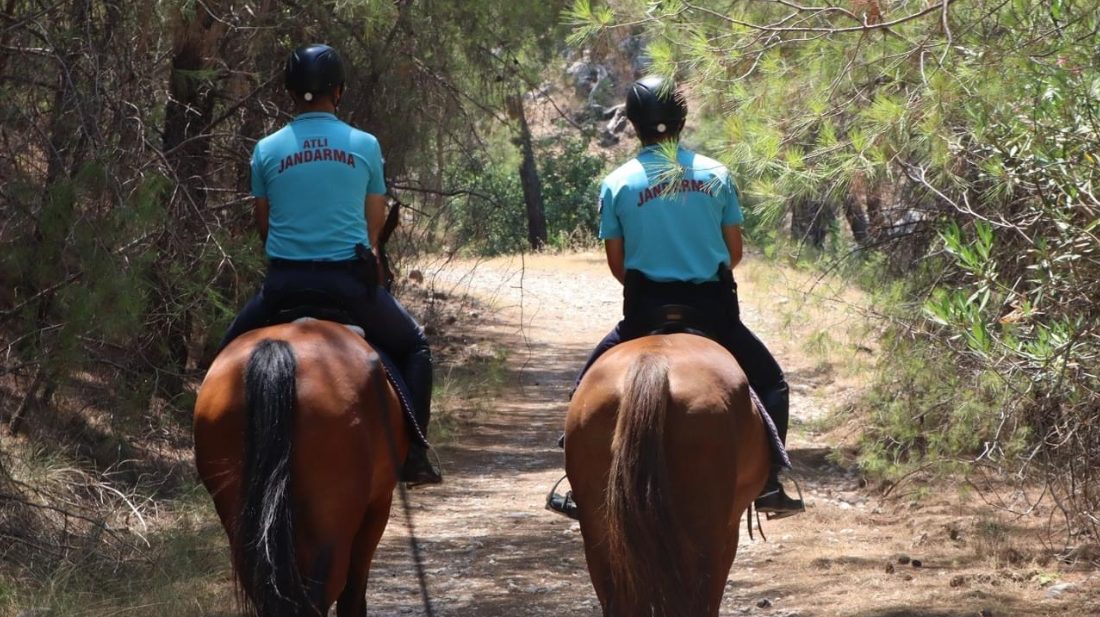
column 586, row 76
column 634, row 48
column 536, row 589
column 889, row 568
column 616, row 119
column 581, row 75
column 763, row 603
column 607, row 139
column 985, row 612
column 958, row 580
column 617, row 124
column 917, row 563
column 1056, row 591
column 612, row 112
column 902, row 558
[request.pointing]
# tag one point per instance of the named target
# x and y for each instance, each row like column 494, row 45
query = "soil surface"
column 489, row 547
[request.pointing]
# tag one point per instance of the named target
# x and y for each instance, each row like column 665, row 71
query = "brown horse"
column 664, row 451
column 298, row 438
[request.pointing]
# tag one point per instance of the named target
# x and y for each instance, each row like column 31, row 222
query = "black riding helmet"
column 312, row 70
column 655, row 107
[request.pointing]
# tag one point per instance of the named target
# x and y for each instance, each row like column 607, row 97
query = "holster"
column 368, row 267
column 632, row 291
column 729, row 292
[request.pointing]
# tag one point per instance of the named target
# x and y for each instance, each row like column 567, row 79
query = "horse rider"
column 671, row 222
column 320, row 203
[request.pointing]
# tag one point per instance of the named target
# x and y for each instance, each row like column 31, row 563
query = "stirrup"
column 424, row 471
column 774, row 516
column 562, row 504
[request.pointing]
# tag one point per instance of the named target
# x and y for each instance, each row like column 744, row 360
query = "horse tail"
column 264, row 556
column 645, row 541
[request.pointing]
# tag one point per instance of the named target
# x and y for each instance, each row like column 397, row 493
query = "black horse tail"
column 267, row 568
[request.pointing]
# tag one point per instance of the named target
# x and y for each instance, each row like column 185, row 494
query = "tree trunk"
column 857, row 219
column 191, row 99
column 5, row 38
column 810, row 221
column 529, row 177
column 876, row 221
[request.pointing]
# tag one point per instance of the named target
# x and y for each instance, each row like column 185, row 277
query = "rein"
column 414, row 548
column 393, row 218
column 414, row 544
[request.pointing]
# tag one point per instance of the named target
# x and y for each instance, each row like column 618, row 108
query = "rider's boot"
column 774, row 501
column 562, row 504
column 557, row 502
column 418, row 468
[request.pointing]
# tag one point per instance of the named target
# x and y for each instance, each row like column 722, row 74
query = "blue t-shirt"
column 316, row 173
column 670, row 214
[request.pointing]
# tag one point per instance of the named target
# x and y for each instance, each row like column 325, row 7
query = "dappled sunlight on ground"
column 492, row 550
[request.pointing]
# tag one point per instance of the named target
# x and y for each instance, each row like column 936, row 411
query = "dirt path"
column 490, row 549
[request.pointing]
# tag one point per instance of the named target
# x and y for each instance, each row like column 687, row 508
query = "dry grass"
column 97, row 546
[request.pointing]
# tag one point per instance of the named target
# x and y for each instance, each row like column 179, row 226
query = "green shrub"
column 491, row 218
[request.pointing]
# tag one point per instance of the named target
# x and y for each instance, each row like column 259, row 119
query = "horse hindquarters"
column 670, row 524
column 323, row 432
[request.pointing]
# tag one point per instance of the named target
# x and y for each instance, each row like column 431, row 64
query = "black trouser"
column 383, row 319
column 718, row 307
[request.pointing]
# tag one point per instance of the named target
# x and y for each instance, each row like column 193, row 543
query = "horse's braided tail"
column 265, row 561
column 643, row 534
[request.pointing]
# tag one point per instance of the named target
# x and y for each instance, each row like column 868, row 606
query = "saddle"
column 311, row 303
column 676, row 318
column 305, row 304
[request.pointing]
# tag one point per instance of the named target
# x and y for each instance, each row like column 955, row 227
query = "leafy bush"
column 963, row 141
column 570, row 188
column 490, row 220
